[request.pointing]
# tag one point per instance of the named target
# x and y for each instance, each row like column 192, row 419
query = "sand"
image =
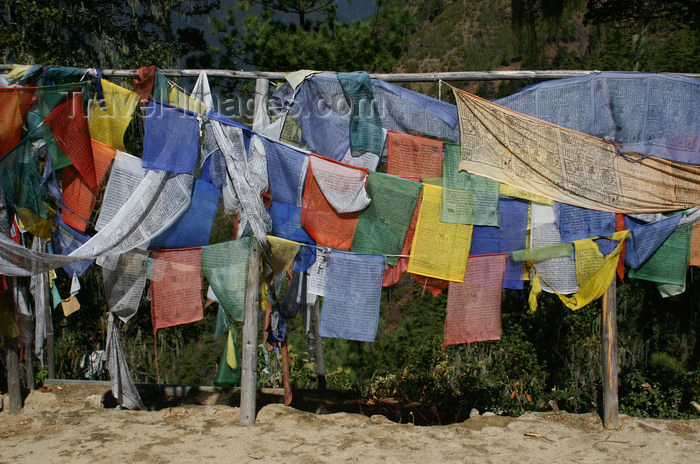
column 66, row 424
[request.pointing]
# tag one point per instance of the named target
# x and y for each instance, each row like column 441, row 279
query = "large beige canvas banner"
column 566, row 165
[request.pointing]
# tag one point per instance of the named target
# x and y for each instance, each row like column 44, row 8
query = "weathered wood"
column 29, row 365
column 261, row 118
column 50, row 345
column 398, row 77
column 249, row 359
column 14, row 392
column 611, row 417
column 50, row 359
column 319, row 365
column 695, row 405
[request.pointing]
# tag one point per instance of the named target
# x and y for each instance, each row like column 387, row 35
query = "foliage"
column 104, row 33
column 267, row 42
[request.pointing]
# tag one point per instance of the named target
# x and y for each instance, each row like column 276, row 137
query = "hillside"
column 454, row 35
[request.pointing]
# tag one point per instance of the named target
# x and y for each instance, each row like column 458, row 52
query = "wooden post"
column 48, row 319
column 14, row 393
column 319, row 365
column 249, row 359
column 29, row 367
column 261, row 118
column 611, row 418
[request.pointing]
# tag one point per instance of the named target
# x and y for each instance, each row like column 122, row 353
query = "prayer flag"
column 509, row 237
column 365, row 125
column 439, row 249
column 176, row 287
column 286, row 169
column 566, row 165
column 474, row 306
column 647, row 238
column 193, row 228
column 695, row 246
column 171, row 139
column 412, row 156
column 225, row 266
column 382, row 226
column 337, row 185
column 78, row 197
column 69, row 127
column 49, row 97
column 669, row 263
column 286, row 223
column 466, row 198
column 109, row 119
column 578, row 223
column 14, row 106
column 352, row 296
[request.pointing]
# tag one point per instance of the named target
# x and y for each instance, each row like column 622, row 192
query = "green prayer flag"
column 466, row 198
column 668, row 264
column 225, row 375
column 382, row 226
column 225, row 266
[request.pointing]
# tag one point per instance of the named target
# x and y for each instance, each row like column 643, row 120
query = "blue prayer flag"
column 193, row 228
column 352, row 296
column 286, row 170
column 645, row 239
column 286, row 223
column 578, row 223
column 171, row 139
column 511, row 236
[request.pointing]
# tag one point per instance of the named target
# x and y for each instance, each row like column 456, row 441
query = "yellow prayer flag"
column 182, row 100
column 297, row 77
column 108, row 123
column 18, row 72
column 8, row 326
column 283, row 253
column 37, row 225
column 598, row 272
column 506, row 190
column 439, row 249
column 70, row 305
column 231, row 352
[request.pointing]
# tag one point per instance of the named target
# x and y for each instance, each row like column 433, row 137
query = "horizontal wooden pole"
column 390, row 77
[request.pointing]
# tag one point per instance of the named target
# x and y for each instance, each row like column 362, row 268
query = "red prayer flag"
column 176, row 287
column 143, row 86
column 78, row 197
column 412, row 156
column 474, row 306
column 619, row 226
column 69, row 127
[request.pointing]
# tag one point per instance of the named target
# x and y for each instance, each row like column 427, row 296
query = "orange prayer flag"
column 323, row 223
column 412, row 156
column 69, row 127
column 79, row 198
column 14, row 106
column 431, row 284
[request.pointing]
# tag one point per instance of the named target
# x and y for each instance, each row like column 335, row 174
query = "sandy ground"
column 66, row 425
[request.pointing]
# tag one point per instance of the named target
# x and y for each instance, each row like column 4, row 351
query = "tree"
column 316, row 39
column 100, row 33
column 647, row 19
